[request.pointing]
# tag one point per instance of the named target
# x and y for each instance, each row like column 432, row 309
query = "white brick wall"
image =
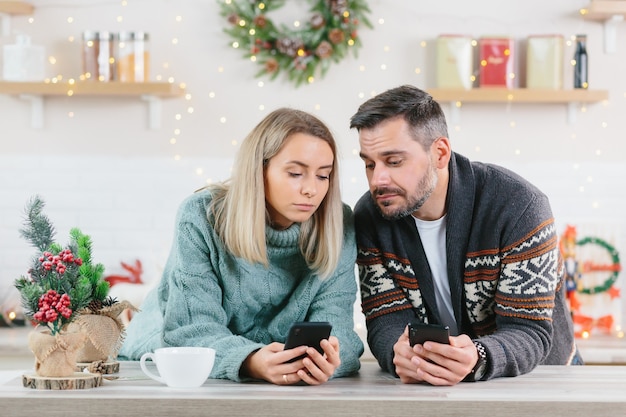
column 128, row 205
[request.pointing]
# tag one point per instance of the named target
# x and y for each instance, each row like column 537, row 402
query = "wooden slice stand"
column 102, row 367
column 80, row 380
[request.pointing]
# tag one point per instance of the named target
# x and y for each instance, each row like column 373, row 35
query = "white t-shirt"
column 433, row 236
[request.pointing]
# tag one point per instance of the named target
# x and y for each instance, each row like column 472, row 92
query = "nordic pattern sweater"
column 504, row 269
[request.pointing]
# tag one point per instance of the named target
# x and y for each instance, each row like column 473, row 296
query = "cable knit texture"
column 207, row 297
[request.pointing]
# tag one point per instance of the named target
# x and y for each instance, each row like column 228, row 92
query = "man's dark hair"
column 423, row 114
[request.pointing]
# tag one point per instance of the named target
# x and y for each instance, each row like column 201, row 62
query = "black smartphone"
column 308, row 333
column 422, row 332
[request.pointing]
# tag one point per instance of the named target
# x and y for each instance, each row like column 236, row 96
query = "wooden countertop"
column 547, row 391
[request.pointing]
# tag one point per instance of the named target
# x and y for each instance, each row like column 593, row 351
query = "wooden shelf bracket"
column 5, row 24
column 36, row 109
column 154, row 110
column 610, row 33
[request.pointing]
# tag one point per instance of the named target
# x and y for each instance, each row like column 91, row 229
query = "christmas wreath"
column 328, row 36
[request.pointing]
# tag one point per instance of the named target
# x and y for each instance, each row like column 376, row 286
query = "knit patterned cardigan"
column 208, row 297
column 504, row 268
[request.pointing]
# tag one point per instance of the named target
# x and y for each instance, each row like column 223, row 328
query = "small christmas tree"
column 62, row 280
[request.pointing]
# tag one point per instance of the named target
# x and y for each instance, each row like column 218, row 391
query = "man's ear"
column 442, row 151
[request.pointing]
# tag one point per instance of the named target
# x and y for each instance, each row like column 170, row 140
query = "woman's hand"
column 270, row 363
column 318, row 368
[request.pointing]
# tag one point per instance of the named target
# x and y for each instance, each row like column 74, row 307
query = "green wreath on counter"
column 328, row 35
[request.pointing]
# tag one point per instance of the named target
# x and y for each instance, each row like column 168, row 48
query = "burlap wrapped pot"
column 55, row 356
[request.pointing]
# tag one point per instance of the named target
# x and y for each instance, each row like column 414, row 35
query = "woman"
column 272, row 246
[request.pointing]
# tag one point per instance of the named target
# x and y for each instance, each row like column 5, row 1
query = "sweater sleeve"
column 335, row 302
column 385, row 306
column 191, row 304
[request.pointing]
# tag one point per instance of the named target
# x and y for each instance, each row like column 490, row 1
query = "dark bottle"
column 581, row 66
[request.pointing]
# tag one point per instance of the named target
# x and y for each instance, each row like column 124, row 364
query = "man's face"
column 401, row 174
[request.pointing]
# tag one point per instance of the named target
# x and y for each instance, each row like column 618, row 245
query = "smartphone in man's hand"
column 422, row 332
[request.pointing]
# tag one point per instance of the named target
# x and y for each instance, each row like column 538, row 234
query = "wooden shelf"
column 516, row 95
column 151, row 92
column 10, row 8
column 610, row 13
column 96, row 88
column 604, row 9
column 16, row 7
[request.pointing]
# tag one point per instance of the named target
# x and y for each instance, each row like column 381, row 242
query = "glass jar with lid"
column 97, row 56
column 133, row 57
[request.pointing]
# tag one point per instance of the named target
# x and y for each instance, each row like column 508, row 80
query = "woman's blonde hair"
column 239, row 207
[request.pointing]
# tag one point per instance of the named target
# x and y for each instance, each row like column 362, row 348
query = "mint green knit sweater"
column 208, row 297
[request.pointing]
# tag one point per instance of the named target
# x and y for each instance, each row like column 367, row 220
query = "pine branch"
column 38, row 230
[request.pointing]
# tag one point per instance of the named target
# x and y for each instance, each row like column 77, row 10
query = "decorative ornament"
column 575, row 271
column 65, row 294
column 328, row 35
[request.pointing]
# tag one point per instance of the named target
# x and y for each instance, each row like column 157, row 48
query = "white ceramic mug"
column 180, row 367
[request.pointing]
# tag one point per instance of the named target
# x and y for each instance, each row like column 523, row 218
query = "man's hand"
column 434, row 363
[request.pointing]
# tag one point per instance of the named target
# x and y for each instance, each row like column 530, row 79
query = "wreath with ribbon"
column 329, row 35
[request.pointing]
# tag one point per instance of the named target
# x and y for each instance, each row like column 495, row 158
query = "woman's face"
column 297, row 179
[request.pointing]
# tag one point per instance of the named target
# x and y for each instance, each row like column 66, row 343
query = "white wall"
column 100, row 168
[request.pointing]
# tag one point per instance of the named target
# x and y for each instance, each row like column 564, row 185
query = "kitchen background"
column 101, row 164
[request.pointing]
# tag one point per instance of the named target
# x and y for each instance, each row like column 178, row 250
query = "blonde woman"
column 272, row 246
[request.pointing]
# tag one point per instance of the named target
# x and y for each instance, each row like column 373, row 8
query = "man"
column 447, row 241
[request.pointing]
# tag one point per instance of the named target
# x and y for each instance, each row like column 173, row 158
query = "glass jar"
column 98, row 58
column 133, row 57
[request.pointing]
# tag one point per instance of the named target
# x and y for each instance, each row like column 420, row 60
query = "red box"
column 496, row 62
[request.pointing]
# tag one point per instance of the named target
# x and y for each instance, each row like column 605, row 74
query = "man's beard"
column 423, row 191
